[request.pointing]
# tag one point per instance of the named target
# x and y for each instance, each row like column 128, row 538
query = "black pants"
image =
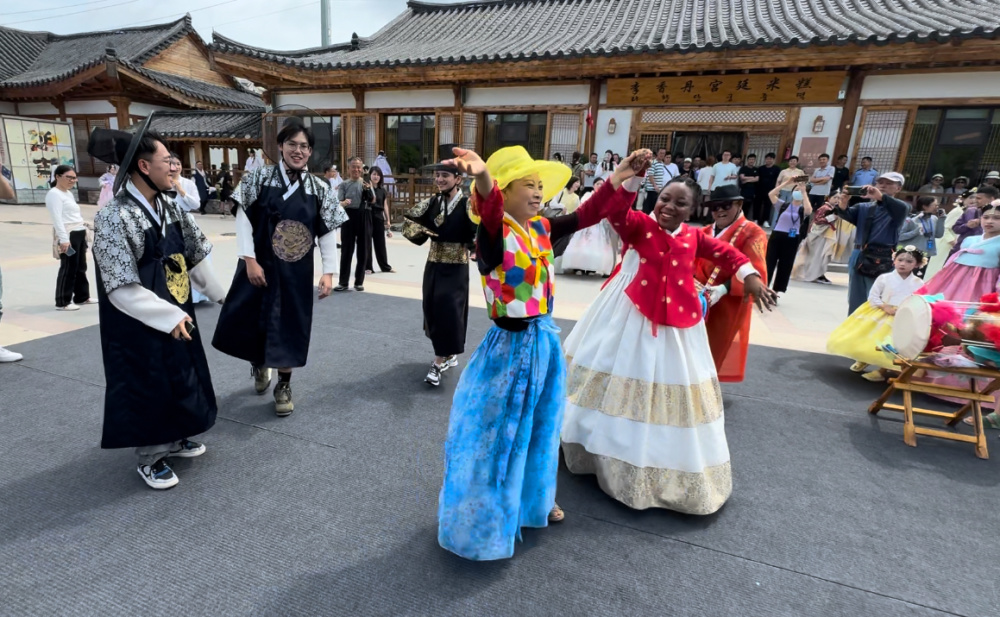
column 649, row 202
column 355, row 236
column 71, row 284
column 378, row 244
column 762, row 209
column 781, row 251
column 817, row 201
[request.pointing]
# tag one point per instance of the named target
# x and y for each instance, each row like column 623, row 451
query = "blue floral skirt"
column 502, row 452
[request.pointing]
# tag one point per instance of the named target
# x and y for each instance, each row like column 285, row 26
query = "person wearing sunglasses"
column 72, row 287
column 728, row 319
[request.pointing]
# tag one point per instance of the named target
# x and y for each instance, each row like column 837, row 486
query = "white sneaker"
column 450, row 362
column 7, row 355
column 69, row 307
column 91, row 301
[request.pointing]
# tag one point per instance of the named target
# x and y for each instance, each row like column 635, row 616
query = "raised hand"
column 467, row 162
column 633, row 165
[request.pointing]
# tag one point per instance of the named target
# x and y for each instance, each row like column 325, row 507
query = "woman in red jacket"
column 644, row 406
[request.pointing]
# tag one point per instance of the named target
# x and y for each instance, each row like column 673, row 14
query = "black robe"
column 446, row 275
column 159, row 389
column 271, row 326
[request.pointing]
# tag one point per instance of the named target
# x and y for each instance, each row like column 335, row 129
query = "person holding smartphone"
column 72, row 287
column 784, row 241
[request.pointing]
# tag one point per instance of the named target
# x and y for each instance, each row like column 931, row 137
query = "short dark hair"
column 724, row 151
column 691, row 184
column 751, row 156
column 145, row 149
column 557, row 156
column 866, row 158
column 293, row 127
column 842, row 156
column 824, row 154
column 986, row 189
column 770, row 155
column 174, row 155
column 327, row 167
column 924, row 201
column 793, row 157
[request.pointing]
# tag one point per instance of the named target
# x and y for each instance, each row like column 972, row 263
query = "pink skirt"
column 960, row 283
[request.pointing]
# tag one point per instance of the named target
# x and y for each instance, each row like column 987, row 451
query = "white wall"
column 37, row 109
column 142, row 109
column 957, row 85
column 528, row 95
column 8, row 108
column 807, row 117
column 89, row 107
column 317, row 100
column 619, row 141
column 409, row 99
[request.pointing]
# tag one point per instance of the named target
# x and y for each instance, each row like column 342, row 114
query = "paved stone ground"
column 332, row 510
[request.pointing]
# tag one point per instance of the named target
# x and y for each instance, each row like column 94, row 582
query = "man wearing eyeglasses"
column 728, row 319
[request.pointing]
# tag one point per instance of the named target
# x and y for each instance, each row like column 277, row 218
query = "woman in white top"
column 72, row 288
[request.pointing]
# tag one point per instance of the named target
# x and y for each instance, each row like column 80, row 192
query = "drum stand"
column 975, row 399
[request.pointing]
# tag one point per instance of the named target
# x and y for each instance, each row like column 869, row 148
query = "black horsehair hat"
column 726, row 192
column 118, row 148
column 444, row 153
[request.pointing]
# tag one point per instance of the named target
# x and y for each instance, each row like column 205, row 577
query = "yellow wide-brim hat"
column 514, row 162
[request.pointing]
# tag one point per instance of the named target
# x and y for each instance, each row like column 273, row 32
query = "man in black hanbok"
column 445, row 220
column 149, row 254
column 282, row 212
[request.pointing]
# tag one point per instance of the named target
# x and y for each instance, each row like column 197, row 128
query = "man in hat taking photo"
column 878, row 220
column 728, row 319
column 445, row 220
column 149, row 255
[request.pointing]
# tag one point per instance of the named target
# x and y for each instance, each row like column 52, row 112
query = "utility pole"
column 325, row 22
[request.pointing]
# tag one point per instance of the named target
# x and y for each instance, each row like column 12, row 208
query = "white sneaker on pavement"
column 69, row 307
column 7, row 355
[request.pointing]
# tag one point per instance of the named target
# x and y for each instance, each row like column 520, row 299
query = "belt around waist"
column 448, row 253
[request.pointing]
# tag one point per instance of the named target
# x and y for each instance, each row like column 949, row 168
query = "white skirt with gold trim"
column 644, row 413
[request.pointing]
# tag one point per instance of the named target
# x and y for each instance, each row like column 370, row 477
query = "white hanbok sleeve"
column 244, row 235
column 145, row 306
column 878, row 288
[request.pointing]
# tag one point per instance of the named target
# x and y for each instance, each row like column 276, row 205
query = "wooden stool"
column 905, row 384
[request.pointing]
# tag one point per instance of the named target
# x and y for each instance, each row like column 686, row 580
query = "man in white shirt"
column 332, row 176
column 186, row 191
column 668, row 162
column 821, row 180
column 725, row 172
column 591, row 171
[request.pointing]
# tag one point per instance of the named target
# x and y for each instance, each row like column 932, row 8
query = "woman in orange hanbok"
column 728, row 319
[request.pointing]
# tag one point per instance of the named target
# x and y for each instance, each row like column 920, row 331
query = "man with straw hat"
column 728, row 319
column 445, row 220
column 149, row 254
column 502, row 450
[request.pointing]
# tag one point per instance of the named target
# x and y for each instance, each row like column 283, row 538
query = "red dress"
column 728, row 322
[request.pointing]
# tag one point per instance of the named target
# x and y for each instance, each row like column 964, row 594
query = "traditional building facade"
column 112, row 79
column 913, row 84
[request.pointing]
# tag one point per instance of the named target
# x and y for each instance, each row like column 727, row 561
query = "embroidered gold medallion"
column 178, row 282
column 291, row 240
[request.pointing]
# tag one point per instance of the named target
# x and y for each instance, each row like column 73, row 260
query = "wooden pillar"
column 225, row 156
column 204, row 154
column 595, row 100
column 856, row 80
column 121, row 104
column 242, row 156
column 60, row 104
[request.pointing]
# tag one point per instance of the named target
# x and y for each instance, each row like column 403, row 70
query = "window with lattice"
column 526, row 130
column 654, row 141
column 763, row 144
column 409, row 141
column 82, row 128
column 470, row 130
column 565, row 135
column 882, row 137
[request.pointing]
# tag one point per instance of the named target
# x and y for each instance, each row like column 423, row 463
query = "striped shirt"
column 658, row 173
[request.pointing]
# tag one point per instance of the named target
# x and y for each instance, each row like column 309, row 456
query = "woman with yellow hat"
column 502, row 450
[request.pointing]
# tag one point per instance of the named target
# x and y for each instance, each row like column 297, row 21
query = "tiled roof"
column 224, row 124
column 498, row 30
column 29, row 59
column 203, row 91
column 48, row 57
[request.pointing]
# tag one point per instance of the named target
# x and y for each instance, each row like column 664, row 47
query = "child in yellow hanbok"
column 871, row 324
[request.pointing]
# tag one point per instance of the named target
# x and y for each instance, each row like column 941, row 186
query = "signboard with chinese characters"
column 32, row 150
column 738, row 88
